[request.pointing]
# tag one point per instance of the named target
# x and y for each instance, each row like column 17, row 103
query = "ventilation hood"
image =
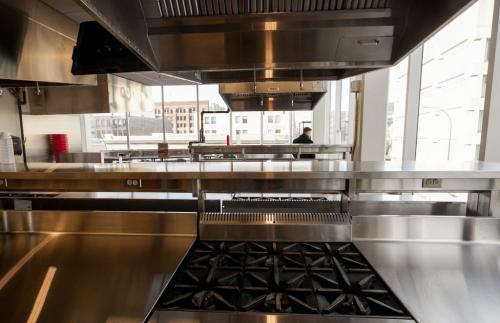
column 217, row 41
column 273, row 96
column 36, row 46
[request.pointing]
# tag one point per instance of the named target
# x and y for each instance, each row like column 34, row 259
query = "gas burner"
column 305, row 278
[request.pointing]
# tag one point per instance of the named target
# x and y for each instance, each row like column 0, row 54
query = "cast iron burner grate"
column 298, row 278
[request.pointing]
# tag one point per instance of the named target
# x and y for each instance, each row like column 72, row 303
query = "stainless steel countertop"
column 441, row 282
column 88, row 267
column 257, row 169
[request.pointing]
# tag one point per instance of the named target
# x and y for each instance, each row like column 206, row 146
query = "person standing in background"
column 304, row 138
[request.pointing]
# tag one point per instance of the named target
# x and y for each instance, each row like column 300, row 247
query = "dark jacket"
column 304, row 139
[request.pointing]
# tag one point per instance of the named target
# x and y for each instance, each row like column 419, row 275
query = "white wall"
column 321, row 119
column 374, row 120
column 9, row 120
column 36, row 129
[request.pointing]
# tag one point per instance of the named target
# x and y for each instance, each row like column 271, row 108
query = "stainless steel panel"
column 415, row 185
column 86, row 157
column 426, row 228
column 271, row 185
column 207, row 317
column 99, row 222
column 357, row 207
column 37, row 45
column 112, row 94
column 13, row 247
column 272, row 96
column 92, row 278
column 275, row 226
column 440, row 282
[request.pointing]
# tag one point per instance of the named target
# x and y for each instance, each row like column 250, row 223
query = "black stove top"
column 296, row 278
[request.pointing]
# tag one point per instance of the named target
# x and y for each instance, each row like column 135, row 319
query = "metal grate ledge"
column 275, row 218
column 187, row 8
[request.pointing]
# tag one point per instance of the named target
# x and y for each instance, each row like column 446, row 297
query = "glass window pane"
column 106, row 131
column 346, row 113
column 396, row 108
column 302, row 119
column 453, row 74
column 247, row 132
column 181, row 118
column 216, row 126
column 276, row 127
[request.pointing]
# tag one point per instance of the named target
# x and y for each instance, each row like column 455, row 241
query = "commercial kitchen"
column 167, row 161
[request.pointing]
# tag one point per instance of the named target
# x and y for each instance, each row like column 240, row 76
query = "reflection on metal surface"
column 228, row 317
column 440, row 282
column 426, row 228
column 99, row 277
column 275, row 227
column 111, row 95
column 377, row 207
column 36, row 46
column 5, row 278
column 158, row 223
column 272, row 96
column 42, row 295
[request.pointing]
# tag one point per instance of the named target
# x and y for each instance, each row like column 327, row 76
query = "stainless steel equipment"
column 111, row 95
column 247, row 41
column 205, row 151
column 97, row 264
column 37, row 46
column 273, row 96
column 305, row 279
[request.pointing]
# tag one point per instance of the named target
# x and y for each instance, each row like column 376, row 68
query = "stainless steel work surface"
column 258, row 169
column 91, row 278
column 13, row 247
column 440, row 282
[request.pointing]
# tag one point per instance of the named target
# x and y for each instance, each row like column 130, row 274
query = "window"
column 451, row 100
column 248, row 132
column 301, row 119
column 276, row 127
column 216, row 126
column 104, row 133
column 396, row 110
column 146, row 131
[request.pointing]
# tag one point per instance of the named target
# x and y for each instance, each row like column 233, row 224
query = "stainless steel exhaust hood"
column 36, row 46
column 216, row 41
column 273, row 96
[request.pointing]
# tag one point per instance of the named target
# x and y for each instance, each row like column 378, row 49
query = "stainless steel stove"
column 327, row 279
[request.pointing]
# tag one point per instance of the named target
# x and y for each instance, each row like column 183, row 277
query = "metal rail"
column 199, row 151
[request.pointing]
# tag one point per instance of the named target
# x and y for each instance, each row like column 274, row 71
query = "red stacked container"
column 58, row 145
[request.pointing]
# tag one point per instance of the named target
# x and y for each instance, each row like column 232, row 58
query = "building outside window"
column 276, row 127
column 216, row 126
column 452, row 93
column 247, row 132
